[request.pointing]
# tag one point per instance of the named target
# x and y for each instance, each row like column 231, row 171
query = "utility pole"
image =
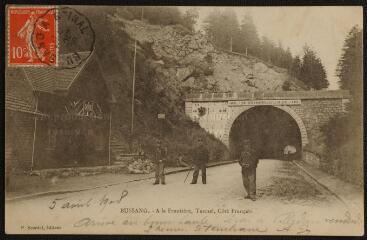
column 133, row 92
column 34, row 132
column 133, row 100
column 231, row 45
column 109, row 139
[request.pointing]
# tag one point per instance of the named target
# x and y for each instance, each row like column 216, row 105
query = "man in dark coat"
column 200, row 157
column 249, row 160
column 159, row 162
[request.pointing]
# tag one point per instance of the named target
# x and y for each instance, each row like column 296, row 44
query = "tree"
column 223, row 29
column 295, row 69
column 312, row 72
column 277, row 54
column 211, row 25
column 349, row 69
column 266, row 49
column 287, row 59
column 344, row 134
column 231, row 29
column 189, row 18
column 154, row 15
column 248, row 36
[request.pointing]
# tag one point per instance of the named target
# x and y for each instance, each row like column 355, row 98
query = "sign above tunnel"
column 263, row 102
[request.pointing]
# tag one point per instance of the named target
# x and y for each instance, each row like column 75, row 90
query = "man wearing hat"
column 249, row 161
column 159, row 162
column 200, row 157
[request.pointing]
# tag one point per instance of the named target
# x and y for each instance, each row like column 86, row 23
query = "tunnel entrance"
column 270, row 130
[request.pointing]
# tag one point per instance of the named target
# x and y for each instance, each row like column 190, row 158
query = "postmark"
column 25, row 26
column 76, row 37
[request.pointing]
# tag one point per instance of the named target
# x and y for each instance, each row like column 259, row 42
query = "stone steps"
column 120, row 163
column 120, row 152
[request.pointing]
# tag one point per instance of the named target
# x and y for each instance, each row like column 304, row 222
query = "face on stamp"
column 24, row 29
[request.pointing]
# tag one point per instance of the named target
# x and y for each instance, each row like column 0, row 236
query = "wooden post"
column 133, row 93
column 132, row 100
column 109, row 140
column 231, row 43
column 34, row 133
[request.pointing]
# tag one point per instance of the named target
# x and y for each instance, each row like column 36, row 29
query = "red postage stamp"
column 32, row 36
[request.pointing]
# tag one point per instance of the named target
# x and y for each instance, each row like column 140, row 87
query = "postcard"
column 179, row 120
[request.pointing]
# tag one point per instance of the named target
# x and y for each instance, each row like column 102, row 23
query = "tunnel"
column 270, row 130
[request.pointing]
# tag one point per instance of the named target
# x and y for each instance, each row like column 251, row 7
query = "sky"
column 322, row 28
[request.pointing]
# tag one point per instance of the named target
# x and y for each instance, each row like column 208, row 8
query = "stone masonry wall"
column 314, row 113
column 214, row 119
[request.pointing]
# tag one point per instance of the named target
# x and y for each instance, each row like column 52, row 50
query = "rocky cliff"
column 194, row 62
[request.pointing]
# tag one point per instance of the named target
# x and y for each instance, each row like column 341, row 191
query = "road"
column 289, row 202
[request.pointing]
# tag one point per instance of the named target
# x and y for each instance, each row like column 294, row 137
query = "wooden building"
column 56, row 117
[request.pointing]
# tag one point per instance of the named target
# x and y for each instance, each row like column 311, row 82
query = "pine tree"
column 189, row 18
column 312, row 72
column 349, row 68
column 344, row 133
column 248, row 36
column 211, row 25
column 295, row 69
column 266, row 49
column 223, row 29
column 277, row 54
column 231, row 30
column 162, row 15
column 287, row 59
column 349, row 71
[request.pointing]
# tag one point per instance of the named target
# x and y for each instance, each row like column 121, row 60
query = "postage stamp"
column 32, row 36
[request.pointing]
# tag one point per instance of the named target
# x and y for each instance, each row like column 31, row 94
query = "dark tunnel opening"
column 270, row 131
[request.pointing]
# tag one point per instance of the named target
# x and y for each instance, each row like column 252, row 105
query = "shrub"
column 343, row 155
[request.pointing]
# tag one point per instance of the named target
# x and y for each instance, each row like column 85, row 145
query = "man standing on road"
column 201, row 157
column 159, row 162
column 248, row 161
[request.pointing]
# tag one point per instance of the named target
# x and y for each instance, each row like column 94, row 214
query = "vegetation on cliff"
column 156, row 91
column 344, row 134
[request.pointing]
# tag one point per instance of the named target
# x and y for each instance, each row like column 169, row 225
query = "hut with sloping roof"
column 56, row 117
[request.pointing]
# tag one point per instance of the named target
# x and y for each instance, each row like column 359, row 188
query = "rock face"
column 194, row 61
column 240, row 73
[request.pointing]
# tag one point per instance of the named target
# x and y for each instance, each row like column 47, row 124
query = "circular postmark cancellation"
column 75, row 39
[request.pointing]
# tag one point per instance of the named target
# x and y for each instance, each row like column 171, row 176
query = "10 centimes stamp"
column 59, row 37
column 25, row 28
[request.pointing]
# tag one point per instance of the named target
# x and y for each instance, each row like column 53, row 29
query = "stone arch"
column 239, row 110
